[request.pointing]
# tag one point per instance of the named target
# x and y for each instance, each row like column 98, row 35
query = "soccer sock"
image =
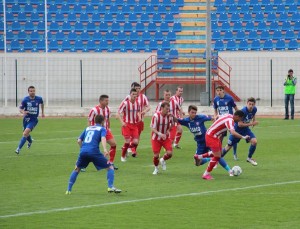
column 155, row 161
column 112, row 154
column 252, row 149
column 124, row 149
column 224, row 152
column 167, row 156
column 29, row 139
column 72, row 180
column 22, row 142
column 205, row 155
column 212, row 164
column 234, row 149
column 204, row 160
column 177, row 138
column 110, row 177
column 133, row 148
column 223, row 163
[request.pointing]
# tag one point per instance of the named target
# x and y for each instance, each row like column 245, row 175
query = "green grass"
column 33, row 184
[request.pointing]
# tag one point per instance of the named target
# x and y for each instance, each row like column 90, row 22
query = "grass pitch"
column 33, row 184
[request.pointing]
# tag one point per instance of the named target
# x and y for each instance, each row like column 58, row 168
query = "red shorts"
column 130, row 131
column 213, row 143
column 140, row 126
column 109, row 135
column 157, row 144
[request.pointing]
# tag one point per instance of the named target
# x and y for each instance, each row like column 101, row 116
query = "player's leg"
column 140, row 127
column 26, row 133
column 292, row 106
column 134, row 133
column 156, row 147
column 167, row 144
column 201, row 149
column 126, row 135
column 235, row 157
column 252, row 148
column 113, row 146
column 178, row 136
column 173, row 133
column 286, row 104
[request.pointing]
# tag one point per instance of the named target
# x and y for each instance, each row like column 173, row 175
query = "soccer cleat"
column 197, row 160
column 207, row 177
column 115, row 167
column 163, row 164
column 230, row 173
column 113, row 189
column 123, row 159
column 17, row 151
column 176, row 146
column 235, row 157
column 68, row 192
column 252, row 161
column 133, row 154
column 155, row 172
column 83, row 170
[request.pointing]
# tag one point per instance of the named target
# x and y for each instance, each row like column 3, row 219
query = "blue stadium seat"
column 101, row 9
column 78, row 45
column 235, row 17
column 109, row 36
column 139, row 27
column 40, row 45
column 119, row 2
column 54, row 26
column 174, row 9
column 229, row 2
column 150, row 9
column 122, row 36
column 277, row 2
column 103, row 27
column 156, row 18
column 126, row 9
column 219, row 45
column 231, row 45
column 225, row 26
column 273, row 26
column 41, row 26
column 66, row 26
column 127, row 27
column 116, row 45
column 271, row 17
column 245, row 8
column 269, row 8
column 34, row 17
column 84, row 17
column 161, row 9
column 120, row 18
column 218, row 2
column 132, row 18
column 115, row 27
column 153, row 45
column 289, row 35
column 16, row 26
column 97, row 36
column 286, row 26
column 249, row 26
column 143, row 2
column 40, row 8
column 146, row 36
column 91, row 27
column 77, row 9
column 277, row 35
column 213, row 17
column 265, row 2
column 293, row 45
column 171, row 36
column 253, row 35
column 261, row 26
column 128, row 45
column 152, row 27
column 161, row 54
column 292, row 9
column 216, row 35
column 173, row 54
column 53, row 45
column 71, row 17
column 289, row 2
column 265, row 35
column 65, row 9
column 28, row 8
column 297, row 26
column 145, row 18
column 22, row 17
column 138, row 9
column 268, row 45
column 177, row 27
column 14, row 45
column 59, row 17
column 140, row 45
column 72, row 36
column 232, row 8
column 90, row 9
column 164, row 27
column 237, row 26
column 179, row 3
column 228, row 35
column 29, row 26
column 22, row 35
column 96, row 17
column 259, row 17
column 10, row 17
column 114, row 9
column 295, row 17
column 221, row 9
column 158, row 36
column 84, row 36
column 131, row 2
column 280, row 9
column 134, row 36
column 280, row 45
column 169, row 18
column 91, row 46
column 247, row 17
column 28, row 45
column 242, row 2
column 256, row 8
column 10, row 35
column 167, row 3
column 243, row 45
column 283, row 17
column 223, row 17
column 66, row 45
column 15, row 8
column 240, row 35
column 108, row 17
column 255, row 45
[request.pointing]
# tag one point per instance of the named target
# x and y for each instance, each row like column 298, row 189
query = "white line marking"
column 145, row 199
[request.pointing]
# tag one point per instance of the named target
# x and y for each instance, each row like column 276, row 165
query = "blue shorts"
column 27, row 123
column 201, row 148
column 98, row 159
column 245, row 131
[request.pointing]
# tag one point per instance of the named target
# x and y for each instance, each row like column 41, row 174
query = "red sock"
column 177, row 138
column 212, row 163
column 207, row 155
column 133, row 148
column 167, row 156
column 124, row 149
column 155, row 161
column 112, row 153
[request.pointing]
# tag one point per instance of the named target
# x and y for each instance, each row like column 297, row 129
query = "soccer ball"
column 236, row 170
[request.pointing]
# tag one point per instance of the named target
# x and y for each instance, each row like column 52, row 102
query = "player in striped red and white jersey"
column 213, row 135
column 179, row 99
column 103, row 109
column 161, row 123
column 129, row 115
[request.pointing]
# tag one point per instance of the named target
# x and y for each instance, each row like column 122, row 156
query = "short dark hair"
column 239, row 113
column 137, row 85
column 30, row 87
column 192, row 107
column 179, row 86
column 132, row 90
column 164, row 104
column 167, row 90
column 251, row 99
column 291, row 70
column 99, row 119
column 102, row 97
column 133, row 84
column 220, row 87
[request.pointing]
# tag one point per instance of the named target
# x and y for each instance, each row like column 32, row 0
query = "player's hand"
column 164, row 137
column 246, row 137
column 43, row 115
column 123, row 124
column 254, row 123
column 105, row 153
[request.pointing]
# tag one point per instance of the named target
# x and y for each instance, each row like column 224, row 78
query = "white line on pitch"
column 147, row 199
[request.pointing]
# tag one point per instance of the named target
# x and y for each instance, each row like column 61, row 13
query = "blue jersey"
column 224, row 105
column 91, row 138
column 196, row 126
column 247, row 118
column 32, row 106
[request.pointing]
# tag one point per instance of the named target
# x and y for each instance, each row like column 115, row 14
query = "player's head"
column 238, row 116
column 167, row 95
column 133, row 94
column 179, row 91
column 165, row 108
column 137, row 87
column 192, row 111
column 103, row 100
column 250, row 103
column 31, row 91
column 290, row 72
column 133, row 84
column 99, row 119
column 220, row 91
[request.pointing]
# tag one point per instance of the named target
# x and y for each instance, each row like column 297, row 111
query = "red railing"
column 148, row 71
column 221, row 70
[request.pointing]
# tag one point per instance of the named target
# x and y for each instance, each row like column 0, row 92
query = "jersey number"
column 89, row 136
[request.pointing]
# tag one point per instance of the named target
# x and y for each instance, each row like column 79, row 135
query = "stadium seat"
column 240, row 35
column 65, row 8
column 218, row 2
column 171, row 36
column 54, row 26
column 127, row 27
column 253, row 35
column 108, row 17
column 15, row 8
column 173, row 54
column 152, row 27
column 165, row 45
column 243, row 45
column 122, row 36
column 14, row 45
column 295, row 17
column 72, row 17
column 174, row 9
column 169, row 18
column 259, row 17
column 223, row 17
column 10, row 35
column 40, row 8
column 293, row 45
column 283, row 17
column 60, row 36
column 292, row 9
column 10, row 17
column 164, row 27
column 235, row 17
column 139, row 27
column 286, row 26
column 167, row 3
column 256, row 8
column 145, row 18
column 132, row 18
column 280, row 45
column 138, row 9
column 216, row 35
column 161, row 54
column 113, row 9
column 225, row 26
column 115, row 27
column 66, row 26
column 268, row 45
column 78, row 45
column 28, row 8
column 150, row 9
column 34, row 17
column 97, row 36
column 91, row 27
column 84, row 17
column 131, row 2
column 28, row 45
column 219, row 45
column 126, row 9
column 289, row 2
column 120, row 18
column 273, row 26
column 59, row 17
column 41, row 26
column 16, row 26
column 134, row 36
column 167, row 64
column 228, row 35
column 77, row 9
column 101, row 9
column 297, row 26
column 232, row 8
column 247, row 17
column 249, row 26
column 66, row 45
column 277, row 35
column 244, row 8
column 265, row 35
column 29, row 26
column 143, row 2
column 90, row 9
column 271, row 17
column 22, row 35
column 146, row 36
column 261, row 26
column 103, row 27
column 40, row 45
column 128, row 45
column 84, row 36
column 53, row 45
column 91, row 46
column 277, row 2
column 156, row 18
column 231, row 45
column 153, row 45
column 237, row 26
column 72, row 36
column 140, row 45
column 255, row 45
column 109, row 36
column 158, row 36
column 221, row 9
column 280, row 9
column 116, row 46
column 1, row 45
column 289, row 35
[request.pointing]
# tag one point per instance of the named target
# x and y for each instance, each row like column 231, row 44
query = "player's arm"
column 103, row 142
column 22, row 108
column 163, row 136
column 237, row 135
column 120, row 114
column 146, row 109
column 80, row 139
column 42, row 108
column 215, row 114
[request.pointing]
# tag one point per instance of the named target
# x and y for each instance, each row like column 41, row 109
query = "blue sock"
column 29, row 139
column 72, row 180
column 224, row 152
column 224, row 164
column 234, row 149
column 252, row 149
column 204, row 160
column 22, row 142
column 110, row 177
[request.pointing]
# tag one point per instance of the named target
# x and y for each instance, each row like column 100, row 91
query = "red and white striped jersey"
column 174, row 108
column 97, row 110
column 143, row 101
column 162, row 124
column 130, row 111
column 178, row 99
column 221, row 125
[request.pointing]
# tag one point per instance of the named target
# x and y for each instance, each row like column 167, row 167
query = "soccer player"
column 224, row 104
column 242, row 128
column 160, row 125
column 89, row 142
column 129, row 114
column 175, row 110
column 103, row 109
column 213, row 141
column 30, row 108
column 179, row 99
column 195, row 123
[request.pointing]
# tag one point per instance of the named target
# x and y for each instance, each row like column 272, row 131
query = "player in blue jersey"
column 195, row 123
column 224, row 104
column 89, row 142
column 30, row 108
column 242, row 128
